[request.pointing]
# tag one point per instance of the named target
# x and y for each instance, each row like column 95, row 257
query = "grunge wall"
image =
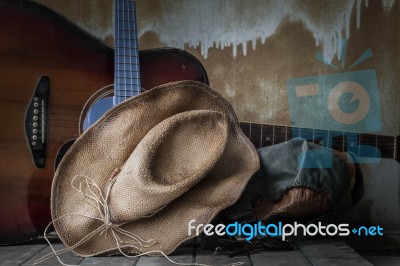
column 253, row 50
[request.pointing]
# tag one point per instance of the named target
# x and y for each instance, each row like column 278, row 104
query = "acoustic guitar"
column 53, row 76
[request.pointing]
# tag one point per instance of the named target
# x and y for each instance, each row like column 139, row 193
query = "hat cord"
column 92, row 194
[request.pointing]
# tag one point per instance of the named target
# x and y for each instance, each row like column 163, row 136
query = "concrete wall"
column 252, row 50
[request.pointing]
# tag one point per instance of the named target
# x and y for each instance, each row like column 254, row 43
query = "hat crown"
column 172, row 157
column 83, row 197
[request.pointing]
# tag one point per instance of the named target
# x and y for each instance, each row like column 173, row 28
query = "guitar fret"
column 362, row 145
column 368, row 146
column 256, row 135
column 127, row 55
column 273, row 135
column 245, row 128
column 295, row 132
column 131, row 78
column 328, row 140
column 128, row 78
column 249, row 130
column 126, row 47
column 267, row 135
column 124, row 42
column 122, row 10
column 337, row 141
column 261, row 136
column 352, row 143
column 280, row 134
column 128, row 35
column 125, row 20
column 307, row 134
column 286, row 133
column 129, row 83
column 385, row 147
column 118, row 89
column 127, row 70
column 124, row 63
column 344, row 143
column 320, row 137
column 127, row 30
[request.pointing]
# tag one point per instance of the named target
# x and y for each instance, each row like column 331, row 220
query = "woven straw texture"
column 182, row 156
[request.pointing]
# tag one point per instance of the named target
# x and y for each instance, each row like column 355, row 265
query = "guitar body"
column 36, row 42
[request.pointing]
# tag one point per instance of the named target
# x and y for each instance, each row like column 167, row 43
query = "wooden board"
column 310, row 252
column 323, row 252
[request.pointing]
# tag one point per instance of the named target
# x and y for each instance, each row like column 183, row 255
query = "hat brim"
column 97, row 153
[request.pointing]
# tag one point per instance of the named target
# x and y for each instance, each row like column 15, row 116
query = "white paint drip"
column 387, row 4
column 214, row 23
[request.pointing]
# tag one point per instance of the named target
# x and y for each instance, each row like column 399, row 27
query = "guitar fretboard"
column 363, row 145
column 127, row 69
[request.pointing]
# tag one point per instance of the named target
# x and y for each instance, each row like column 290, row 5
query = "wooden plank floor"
column 310, row 252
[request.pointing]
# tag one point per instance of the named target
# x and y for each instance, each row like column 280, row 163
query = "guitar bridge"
column 36, row 122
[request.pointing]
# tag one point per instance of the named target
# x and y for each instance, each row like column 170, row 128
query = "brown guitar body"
column 36, row 42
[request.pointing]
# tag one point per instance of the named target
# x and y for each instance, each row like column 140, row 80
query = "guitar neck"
column 363, row 145
column 127, row 68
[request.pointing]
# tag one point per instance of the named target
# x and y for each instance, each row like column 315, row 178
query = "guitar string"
column 289, row 129
column 385, row 144
column 324, row 133
column 116, row 57
column 124, row 47
column 129, row 48
column 129, row 51
column 346, row 140
column 264, row 127
column 137, row 62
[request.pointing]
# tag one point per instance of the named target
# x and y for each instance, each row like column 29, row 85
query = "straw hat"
column 181, row 156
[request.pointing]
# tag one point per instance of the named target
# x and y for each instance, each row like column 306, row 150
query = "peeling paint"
column 212, row 23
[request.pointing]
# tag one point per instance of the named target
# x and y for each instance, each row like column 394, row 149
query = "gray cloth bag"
column 302, row 180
